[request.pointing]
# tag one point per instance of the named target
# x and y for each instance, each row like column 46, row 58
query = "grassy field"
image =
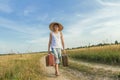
column 93, row 71
column 21, row 67
column 29, row 67
column 104, row 54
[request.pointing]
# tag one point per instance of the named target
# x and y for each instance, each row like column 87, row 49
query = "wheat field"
column 21, row 67
column 30, row 66
column 104, row 54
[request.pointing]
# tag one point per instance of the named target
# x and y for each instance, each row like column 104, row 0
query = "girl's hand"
column 49, row 52
column 64, row 51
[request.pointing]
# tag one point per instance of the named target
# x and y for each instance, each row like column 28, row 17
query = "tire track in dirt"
column 98, row 66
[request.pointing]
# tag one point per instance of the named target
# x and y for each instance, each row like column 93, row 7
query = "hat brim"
column 52, row 24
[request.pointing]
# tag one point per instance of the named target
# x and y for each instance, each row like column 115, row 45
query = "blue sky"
column 24, row 23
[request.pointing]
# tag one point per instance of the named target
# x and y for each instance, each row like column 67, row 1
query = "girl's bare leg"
column 56, row 70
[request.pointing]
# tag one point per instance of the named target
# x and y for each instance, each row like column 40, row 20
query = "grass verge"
column 21, row 67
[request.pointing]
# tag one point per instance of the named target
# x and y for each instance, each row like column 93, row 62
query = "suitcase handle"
column 49, row 53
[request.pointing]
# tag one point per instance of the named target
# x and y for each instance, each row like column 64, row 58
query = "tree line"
column 100, row 44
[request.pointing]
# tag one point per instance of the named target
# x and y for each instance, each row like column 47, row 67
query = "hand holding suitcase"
column 50, row 61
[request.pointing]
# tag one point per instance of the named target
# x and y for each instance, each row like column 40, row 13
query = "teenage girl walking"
column 56, row 43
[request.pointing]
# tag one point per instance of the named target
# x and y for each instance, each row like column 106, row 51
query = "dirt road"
column 68, row 74
column 50, row 72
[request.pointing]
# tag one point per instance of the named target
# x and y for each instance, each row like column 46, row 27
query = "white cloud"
column 109, row 2
column 29, row 10
column 39, row 40
column 82, row 29
column 5, row 8
column 7, row 47
column 23, row 28
column 34, row 35
column 44, row 17
column 96, row 27
column 39, row 44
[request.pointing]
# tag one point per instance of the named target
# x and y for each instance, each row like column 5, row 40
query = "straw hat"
column 52, row 25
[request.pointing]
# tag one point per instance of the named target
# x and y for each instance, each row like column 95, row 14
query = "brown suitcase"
column 65, row 60
column 50, row 60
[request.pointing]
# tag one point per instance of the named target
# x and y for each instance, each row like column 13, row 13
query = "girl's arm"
column 62, row 40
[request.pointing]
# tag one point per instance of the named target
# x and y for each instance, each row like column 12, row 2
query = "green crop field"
column 105, row 54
